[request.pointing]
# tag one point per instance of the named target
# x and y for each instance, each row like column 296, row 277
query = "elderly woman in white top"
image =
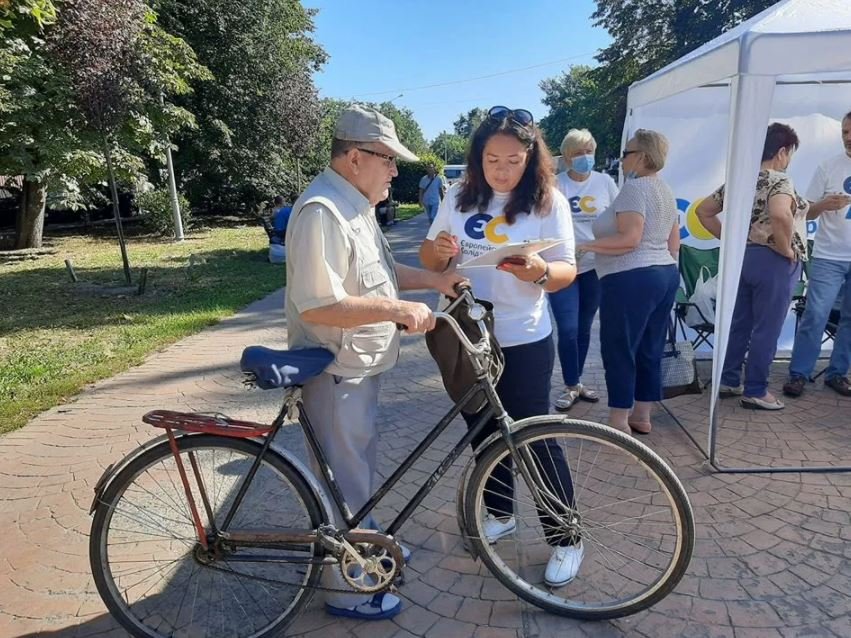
column 588, row 193
column 636, row 247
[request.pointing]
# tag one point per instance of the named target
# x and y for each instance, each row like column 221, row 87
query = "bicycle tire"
column 131, row 501
column 635, row 478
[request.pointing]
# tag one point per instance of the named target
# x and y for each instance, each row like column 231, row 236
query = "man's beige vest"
column 364, row 350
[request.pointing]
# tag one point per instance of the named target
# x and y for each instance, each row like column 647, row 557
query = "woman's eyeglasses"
column 520, row 116
column 625, row 153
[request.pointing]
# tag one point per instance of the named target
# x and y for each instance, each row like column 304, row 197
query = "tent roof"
column 795, row 40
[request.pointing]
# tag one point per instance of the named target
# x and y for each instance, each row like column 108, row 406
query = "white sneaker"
column 494, row 529
column 564, row 565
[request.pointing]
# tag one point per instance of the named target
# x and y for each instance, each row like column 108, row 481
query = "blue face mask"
column 583, row 164
column 630, row 175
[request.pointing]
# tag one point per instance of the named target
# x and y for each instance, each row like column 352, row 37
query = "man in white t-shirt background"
column 432, row 190
column 829, row 280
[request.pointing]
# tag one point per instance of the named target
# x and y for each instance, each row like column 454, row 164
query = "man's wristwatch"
column 543, row 279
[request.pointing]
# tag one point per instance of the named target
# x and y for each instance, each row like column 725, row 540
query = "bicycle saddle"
column 283, row 368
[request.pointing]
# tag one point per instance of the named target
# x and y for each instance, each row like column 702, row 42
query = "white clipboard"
column 491, row 259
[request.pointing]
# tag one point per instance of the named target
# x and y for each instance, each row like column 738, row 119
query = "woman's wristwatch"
column 543, row 279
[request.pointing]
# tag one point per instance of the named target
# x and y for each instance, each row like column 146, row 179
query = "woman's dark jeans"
column 524, row 390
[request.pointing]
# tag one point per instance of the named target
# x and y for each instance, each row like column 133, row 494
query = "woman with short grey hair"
column 589, row 193
column 636, row 247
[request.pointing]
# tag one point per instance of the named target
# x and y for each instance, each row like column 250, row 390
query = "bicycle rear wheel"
column 629, row 509
column 155, row 577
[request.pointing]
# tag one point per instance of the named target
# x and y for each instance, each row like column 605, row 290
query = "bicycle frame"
column 479, row 354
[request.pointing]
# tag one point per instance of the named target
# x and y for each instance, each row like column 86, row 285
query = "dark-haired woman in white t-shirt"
column 508, row 195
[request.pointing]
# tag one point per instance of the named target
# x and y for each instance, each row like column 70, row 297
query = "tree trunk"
column 115, row 211
column 29, row 222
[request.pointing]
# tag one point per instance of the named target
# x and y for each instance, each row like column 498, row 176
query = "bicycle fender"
column 460, row 508
column 307, row 475
column 114, row 468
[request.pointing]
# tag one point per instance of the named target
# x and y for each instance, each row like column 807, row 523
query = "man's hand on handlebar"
column 413, row 316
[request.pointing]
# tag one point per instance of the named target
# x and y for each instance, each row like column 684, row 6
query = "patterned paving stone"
column 772, row 557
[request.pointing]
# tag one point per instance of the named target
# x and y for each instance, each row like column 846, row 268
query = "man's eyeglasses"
column 625, row 153
column 520, row 116
column 389, row 159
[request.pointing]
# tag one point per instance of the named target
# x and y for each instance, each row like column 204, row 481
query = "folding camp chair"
column 692, row 261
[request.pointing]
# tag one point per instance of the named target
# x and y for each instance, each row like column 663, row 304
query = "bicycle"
column 210, row 529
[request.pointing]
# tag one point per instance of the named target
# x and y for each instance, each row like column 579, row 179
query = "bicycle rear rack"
column 217, row 424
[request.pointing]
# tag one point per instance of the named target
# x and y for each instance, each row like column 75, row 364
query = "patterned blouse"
column 768, row 184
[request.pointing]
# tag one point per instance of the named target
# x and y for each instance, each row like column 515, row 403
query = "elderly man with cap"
column 343, row 295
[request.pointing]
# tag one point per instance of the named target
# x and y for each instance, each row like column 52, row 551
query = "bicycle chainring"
column 382, row 557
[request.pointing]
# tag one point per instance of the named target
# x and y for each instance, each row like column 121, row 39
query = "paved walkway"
column 773, row 556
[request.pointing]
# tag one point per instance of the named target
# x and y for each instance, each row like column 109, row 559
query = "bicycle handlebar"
column 476, row 312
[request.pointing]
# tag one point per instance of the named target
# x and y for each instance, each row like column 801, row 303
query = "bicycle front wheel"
column 606, row 493
column 156, row 578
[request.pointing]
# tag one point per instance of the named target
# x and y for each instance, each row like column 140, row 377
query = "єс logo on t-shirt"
column 583, row 204
column 483, row 226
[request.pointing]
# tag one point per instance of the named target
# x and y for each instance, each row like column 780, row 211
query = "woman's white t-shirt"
column 586, row 199
column 520, row 308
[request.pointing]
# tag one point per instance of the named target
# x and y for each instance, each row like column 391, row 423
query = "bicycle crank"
column 370, row 561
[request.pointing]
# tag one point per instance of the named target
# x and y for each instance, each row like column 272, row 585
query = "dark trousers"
column 574, row 308
column 762, row 303
column 635, row 308
column 524, row 390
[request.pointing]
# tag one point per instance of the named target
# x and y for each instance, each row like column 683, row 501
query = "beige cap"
column 363, row 124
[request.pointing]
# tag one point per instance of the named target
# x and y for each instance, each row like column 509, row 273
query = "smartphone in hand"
column 514, row 260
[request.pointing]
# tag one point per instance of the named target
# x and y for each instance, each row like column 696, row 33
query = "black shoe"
column 840, row 385
column 794, row 387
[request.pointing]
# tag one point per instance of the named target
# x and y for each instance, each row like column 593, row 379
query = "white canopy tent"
column 787, row 60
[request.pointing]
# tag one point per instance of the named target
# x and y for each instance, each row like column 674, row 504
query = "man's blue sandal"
column 379, row 607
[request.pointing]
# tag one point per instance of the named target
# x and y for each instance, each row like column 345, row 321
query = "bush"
column 406, row 185
column 156, row 206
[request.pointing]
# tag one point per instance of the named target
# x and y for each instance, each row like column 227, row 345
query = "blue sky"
column 380, row 48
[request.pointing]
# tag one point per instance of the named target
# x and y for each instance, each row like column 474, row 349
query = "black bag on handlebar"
column 453, row 360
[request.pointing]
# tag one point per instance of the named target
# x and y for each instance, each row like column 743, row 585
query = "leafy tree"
column 573, row 100
column 450, row 147
column 260, row 116
column 646, row 36
column 468, row 122
column 24, row 84
column 44, row 135
column 106, row 80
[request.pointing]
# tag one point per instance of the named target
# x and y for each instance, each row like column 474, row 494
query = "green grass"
column 55, row 339
column 406, row 211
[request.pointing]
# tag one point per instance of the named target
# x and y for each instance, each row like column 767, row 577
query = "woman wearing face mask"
column 588, row 193
column 508, row 195
column 636, row 245
column 772, row 264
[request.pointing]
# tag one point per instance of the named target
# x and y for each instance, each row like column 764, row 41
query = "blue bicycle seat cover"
column 284, row 368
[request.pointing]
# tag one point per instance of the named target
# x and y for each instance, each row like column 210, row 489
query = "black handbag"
column 453, row 360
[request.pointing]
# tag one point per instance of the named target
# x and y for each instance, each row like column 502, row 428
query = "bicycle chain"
column 392, row 587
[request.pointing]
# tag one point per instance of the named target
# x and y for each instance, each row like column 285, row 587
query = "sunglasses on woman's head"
column 520, row 116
